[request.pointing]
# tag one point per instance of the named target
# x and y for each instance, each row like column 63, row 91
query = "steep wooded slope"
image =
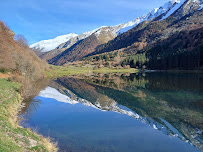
column 82, row 47
column 150, row 32
column 18, row 57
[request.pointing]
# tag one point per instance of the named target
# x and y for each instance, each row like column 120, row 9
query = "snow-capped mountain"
column 48, row 45
column 167, row 9
column 104, row 34
column 70, row 42
column 55, row 94
column 63, row 46
column 164, row 11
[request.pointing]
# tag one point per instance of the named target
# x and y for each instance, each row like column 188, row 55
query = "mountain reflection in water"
column 169, row 102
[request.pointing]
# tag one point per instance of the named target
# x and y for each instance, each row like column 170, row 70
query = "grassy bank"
column 14, row 138
column 59, row 71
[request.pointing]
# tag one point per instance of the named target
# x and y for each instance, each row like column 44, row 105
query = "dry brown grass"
column 51, row 146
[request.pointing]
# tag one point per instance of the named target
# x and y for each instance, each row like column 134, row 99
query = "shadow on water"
column 169, row 102
column 29, row 90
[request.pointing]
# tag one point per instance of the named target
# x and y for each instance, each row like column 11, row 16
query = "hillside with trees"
column 174, row 42
column 17, row 57
column 168, row 44
column 84, row 47
column 20, row 72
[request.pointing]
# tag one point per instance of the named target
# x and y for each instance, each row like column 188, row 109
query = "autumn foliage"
column 16, row 56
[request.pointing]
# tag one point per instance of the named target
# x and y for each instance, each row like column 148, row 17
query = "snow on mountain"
column 173, row 8
column 87, row 33
column 55, row 94
column 201, row 7
column 66, row 41
column 129, row 25
column 166, row 10
column 201, row 4
column 67, row 44
column 169, row 7
column 48, row 45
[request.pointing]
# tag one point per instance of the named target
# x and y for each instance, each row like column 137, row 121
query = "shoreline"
column 14, row 137
column 174, row 71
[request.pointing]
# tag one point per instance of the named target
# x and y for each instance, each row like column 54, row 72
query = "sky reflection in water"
column 104, row 124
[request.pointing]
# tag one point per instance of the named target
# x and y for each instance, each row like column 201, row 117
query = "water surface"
column 148, row 112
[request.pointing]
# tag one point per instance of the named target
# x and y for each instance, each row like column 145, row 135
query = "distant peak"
column 48, row 45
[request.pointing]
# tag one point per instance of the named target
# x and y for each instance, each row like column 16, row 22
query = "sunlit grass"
column 59, row 71
column 109, row 70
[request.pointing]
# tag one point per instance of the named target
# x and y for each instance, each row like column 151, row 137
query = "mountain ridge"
column 115, row 30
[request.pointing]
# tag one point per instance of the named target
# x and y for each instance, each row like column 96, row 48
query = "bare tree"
column 21, row 40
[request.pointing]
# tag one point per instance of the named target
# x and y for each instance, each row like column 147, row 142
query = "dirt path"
column 11, row 96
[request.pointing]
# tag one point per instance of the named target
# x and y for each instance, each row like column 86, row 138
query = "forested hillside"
column 17, row 57
column 168, row 44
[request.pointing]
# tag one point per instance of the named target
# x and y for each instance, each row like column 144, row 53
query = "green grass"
column 109, row 70
column 59, row 71
column 14, row 138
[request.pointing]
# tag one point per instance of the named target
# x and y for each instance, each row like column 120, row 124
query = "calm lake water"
column 150, row 112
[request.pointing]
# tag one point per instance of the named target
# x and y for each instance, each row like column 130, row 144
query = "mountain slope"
column 105, row 34
column 183, row 50
column 150, row 32
column 17, row 56
column 66, row 45
column 173, row 43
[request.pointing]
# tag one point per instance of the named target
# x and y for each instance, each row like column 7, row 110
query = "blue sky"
column 45, row 19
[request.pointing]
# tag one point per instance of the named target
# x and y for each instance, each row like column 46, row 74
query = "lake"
column 141, row 112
